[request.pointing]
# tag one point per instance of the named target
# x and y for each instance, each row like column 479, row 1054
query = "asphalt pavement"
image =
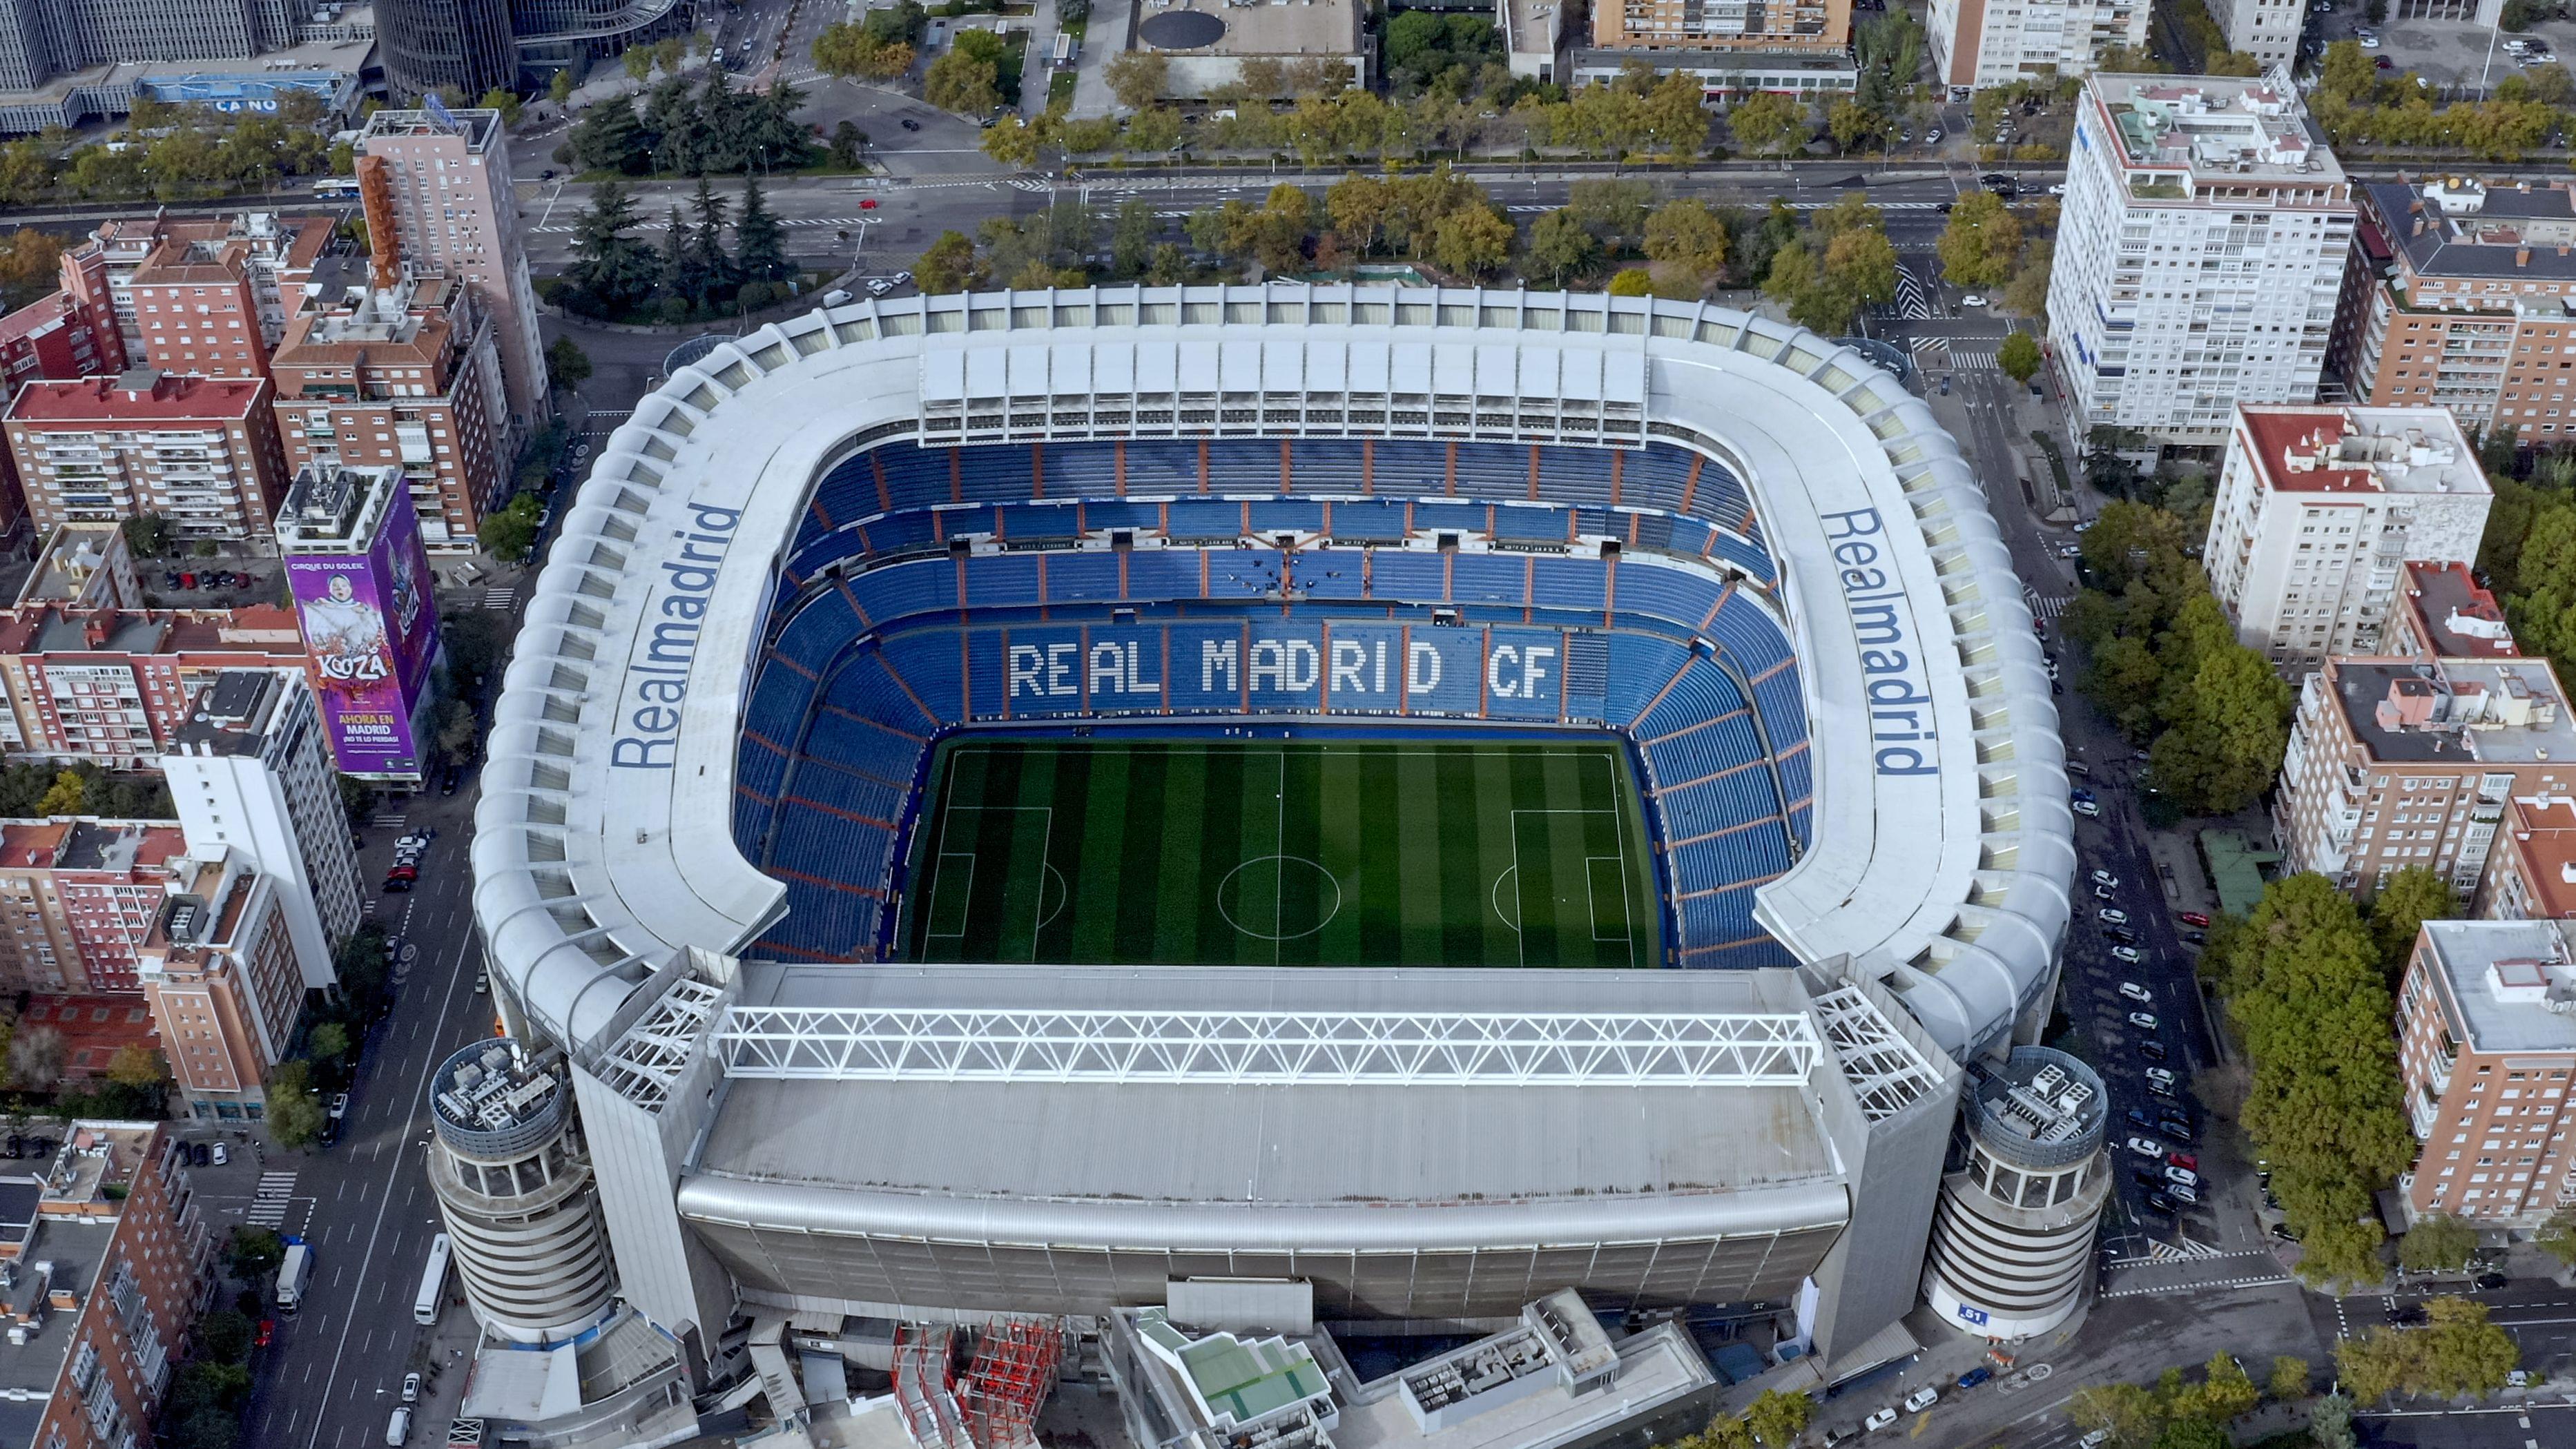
column 335, row 1371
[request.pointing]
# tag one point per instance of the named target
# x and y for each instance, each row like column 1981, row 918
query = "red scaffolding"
column 1011, row 1375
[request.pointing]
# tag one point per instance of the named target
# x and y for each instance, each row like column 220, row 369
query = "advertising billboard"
column 371, row 629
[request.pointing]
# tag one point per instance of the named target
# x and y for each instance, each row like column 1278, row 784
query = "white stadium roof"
column 1940, row 858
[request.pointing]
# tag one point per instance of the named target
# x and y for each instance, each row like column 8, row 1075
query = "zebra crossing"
column 387, row 820
column 273, row 1201
column 1972, row 356
column 2051, row 608
column 501, row 599
column 1912, row 302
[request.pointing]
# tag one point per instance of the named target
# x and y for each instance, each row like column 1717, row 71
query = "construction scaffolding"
column 924, row 1378
column 1011, row 1375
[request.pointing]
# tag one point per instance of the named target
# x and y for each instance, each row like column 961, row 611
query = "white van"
column 835, row 297
column 398, row 1428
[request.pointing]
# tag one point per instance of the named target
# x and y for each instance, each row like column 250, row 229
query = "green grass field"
column 1280, row 852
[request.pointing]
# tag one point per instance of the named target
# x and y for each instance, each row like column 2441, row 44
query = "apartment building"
column 406, row 376
column 57, row 335
column 270, row 253
column 2318, row 510
column 1998, row 42
column 109, row 1261
column 2486, row 1037
column 113, row 686
column 2531, row 873
column 2442, row 613
column 78, row 899
column 2473, row 307
column 2199, row 254
column 251, row 769
column 2397, row 762
column 201, row 452
column 1690, row 25
column 225, row 980
column 456, row 214
column 2267, row 30
column 83, row 566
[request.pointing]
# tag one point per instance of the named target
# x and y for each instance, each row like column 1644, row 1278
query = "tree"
column 567, row 366
column 2436, row 1241
column 149, row 535
column 2226, row 1391
column 2304, row 989
column 759, row 253
column 2349, row 74
column 1632, row 282
column 2125, row 1414
column 36, row 1058
column 847, row 142
column 1358, row 206
column 559, row 89
column 612, row 267
column 2557, row 1237
column 862, row 52
column 1012, row 142
column 2410, row 897
column 69, row 793
column 2456, row 1352
column 1613, row 211
column 509, row 533
column 253, row 1253
column 504, row 100
column 1778, row 1417
column 1559, row 243
column 1472, row 241
column 2027, row 292
column 1137, row 77
column 1154, row 131
column 962, row 82
column 2018, row 356
column 2330, row 1422
column 2289, row 1381
column 1688, row 235
column 1766, row 124
column 137, row 1066
column 609, row 137
column 1854, row 125
column 707, row 270
column 2191, row 1434
column 294, row 1113
column 950, row 265
column 1863, row 264
column 1977, row 248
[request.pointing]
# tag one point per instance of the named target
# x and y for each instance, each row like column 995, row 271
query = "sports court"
column 1526, row 852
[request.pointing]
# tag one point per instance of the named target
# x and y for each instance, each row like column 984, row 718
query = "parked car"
column 411, row 1388
column 2112, row 916
column 2087, row 807
column 2152, row 1050
column 2105, row 878
column 398, row 1428
column 267, row 1333
column 2183, row 1192
column 2136, row 993
column 2195, row 938
column 2193, row 918
column 2121, row 934
column 1974, row 1377
column 2143, row 1020
column 198, row 1156
column 2182, row 1159
column 2284, row 1233
column 1878, row 1419
column 2177, row 1128
column 2183, row 1175
column 909, row 124
column 2143, row 1120
column 2159, row 1074
column 1973, row 299
column 2162, row 1203
column 223, row 1154
column 1921, row 1399
column 1932, row 137
column 2128, row 954
column 2146, row 1147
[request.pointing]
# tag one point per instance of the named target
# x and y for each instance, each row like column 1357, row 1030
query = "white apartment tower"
column 1997, row 42
column 2318, row 511
column 251, row 769
column 2199, row 257
column 2267, row 30
column 457, row 213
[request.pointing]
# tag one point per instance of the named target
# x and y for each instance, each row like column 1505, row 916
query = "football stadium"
column 1274, row 809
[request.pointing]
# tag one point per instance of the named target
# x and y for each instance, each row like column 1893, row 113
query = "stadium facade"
column 826, row 547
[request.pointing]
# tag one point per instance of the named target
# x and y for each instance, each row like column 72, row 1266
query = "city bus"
column 433, row 1283
column 336, row 188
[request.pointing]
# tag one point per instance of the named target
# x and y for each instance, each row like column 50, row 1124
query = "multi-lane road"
column 335, row 1371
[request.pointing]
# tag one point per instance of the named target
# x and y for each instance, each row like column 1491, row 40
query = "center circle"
column 1278, row 897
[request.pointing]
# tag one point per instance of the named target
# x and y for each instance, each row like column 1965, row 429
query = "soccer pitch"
column 1283, row 852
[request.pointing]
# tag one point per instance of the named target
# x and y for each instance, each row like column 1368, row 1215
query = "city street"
column 336, row 1370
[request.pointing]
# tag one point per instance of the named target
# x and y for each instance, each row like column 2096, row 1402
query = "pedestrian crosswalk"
column 273, row 1200
column 2051, row 608
column 503, row 599
column 1912, row 302
column 1971, row 356
column 663, row 223
column 1929, row 351
column 1881, row 205
column 387, row 820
